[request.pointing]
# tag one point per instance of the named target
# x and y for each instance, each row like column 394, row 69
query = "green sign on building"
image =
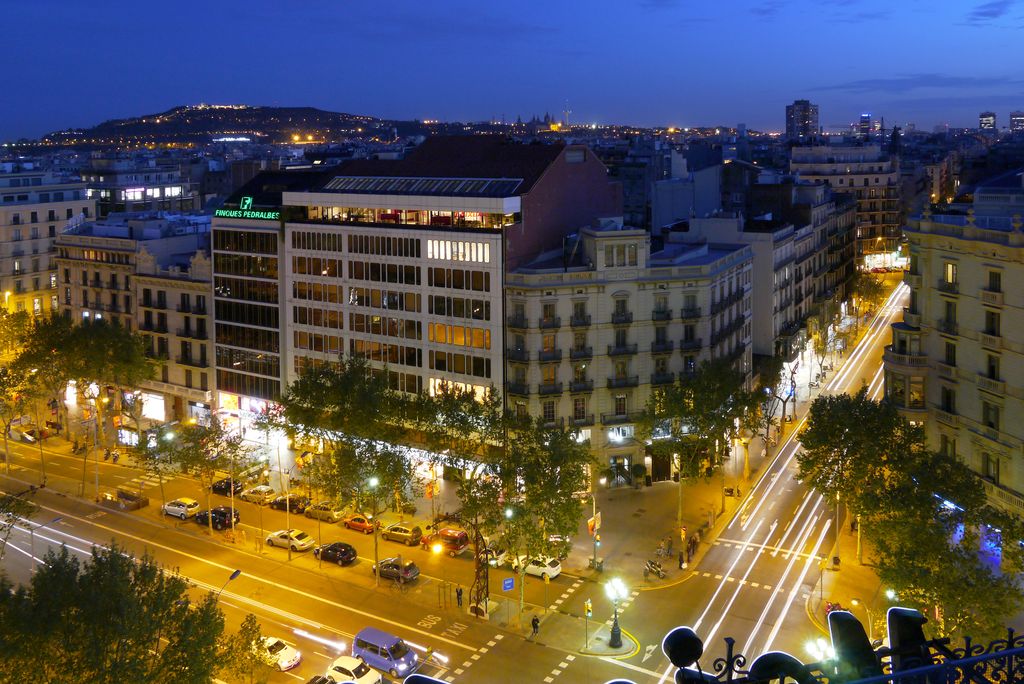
column 245, row 211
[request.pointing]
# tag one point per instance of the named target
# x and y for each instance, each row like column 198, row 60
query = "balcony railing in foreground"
column 850, row 658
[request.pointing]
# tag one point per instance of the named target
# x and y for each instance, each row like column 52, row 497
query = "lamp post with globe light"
column 616, row 590
column 372, row 485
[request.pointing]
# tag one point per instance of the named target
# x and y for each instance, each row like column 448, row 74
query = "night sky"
column 72, row 63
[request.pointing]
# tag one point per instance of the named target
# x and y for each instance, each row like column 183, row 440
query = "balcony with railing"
column 992, row 340
column 623, row 381
column 549, row 355
column 581, row 386
column 581, row 353
column 663, row 347
column 689, row 313
column 727, row 301
column 690, row 345
column 911, row 318
column 520, row 388
column 193, row 309
column 580, row 320
column 191, row 333
column 554, row 423
column 621, row 349
column 662, row 378
column 549, row 388
column 949, row 287
column 993, row 385
column 549, row 322
column 192, row 361
column 622, row 317
column 518, row 322
column 947, row 417
column 904, row 359
column 733, row 326
column 912, row 279
column 947, row 326
column 991, row 297
column 946, row 370
column 661, row 315
column 619, row 418
column 580, row 421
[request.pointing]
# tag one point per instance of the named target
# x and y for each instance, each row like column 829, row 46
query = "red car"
column 451, row 541
column 361, row 522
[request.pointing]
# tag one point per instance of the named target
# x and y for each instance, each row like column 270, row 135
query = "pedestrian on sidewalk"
column 458, row 595
column 647, row 572
column 682, row 559
column 535, row 623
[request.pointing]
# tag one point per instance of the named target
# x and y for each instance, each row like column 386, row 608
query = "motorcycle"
column 814, row 384
column 654, row 567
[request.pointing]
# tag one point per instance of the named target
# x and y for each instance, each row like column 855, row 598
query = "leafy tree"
column 51, row 352
column 205, row 450
column 867, row 292
column 243, row 658
column 692, row 420
column 823, row 327
column 13, row 395
column 13, row 509
column 110, row 619
column 157, row 458
column 14, row 327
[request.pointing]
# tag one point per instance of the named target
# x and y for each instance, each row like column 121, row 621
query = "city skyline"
column 461, row 62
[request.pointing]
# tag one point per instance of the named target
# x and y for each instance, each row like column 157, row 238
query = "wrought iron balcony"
column 518, row 322
column 662, row 347
column 582, row 420
column 519, row 388
column 911, row 318
column 581, row 386
column 662, row 378
column 912, row 279
column 550, row 355
column 624, row 381
column 193, row 361
column 581, row 321
column 621, row 317
column 191, row 333
column 581, row 353
column 948, row 287
column 550, row 388
column 690, row 345
column 549, row 322
column 621, row 349
column 690, row 313
column 661, row 315
column 518, row 354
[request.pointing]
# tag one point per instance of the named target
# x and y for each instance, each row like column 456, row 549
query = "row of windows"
column 247, row 290
column 459, row 250
column 248, row 338
column 249, row 361
column 391, row 354
column 385, row 325
column 620, row 255
column 323, row 242
column 466, row 364
column 33, row 233
column 51, row 215
column 245, row 241
column 317, row 292
column 384, row 299
column 330, row 344
column 329, row 268
column 249, row 314
column 248, row 385
column 457, row 279
column 459, row 336
column 245, row 265
column 383, row 245
column 321, row 318
column 457, row 307
column 384, row 273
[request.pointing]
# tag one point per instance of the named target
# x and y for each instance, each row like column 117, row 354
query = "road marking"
column 777, row 550
column 483, row 649
column 459, row 670
column 256, row 578
column 570, row 658
column 548, row 680
column 492, row 642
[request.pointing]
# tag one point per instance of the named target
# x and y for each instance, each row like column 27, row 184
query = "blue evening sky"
column 648, row 62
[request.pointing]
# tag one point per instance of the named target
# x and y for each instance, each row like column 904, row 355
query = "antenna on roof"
column 565, row 114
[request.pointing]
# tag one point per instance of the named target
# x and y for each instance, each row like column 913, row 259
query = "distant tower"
column 801, row 120
column 864, row 127
column 987, row 121
column 1017, row 121
column 565, row 114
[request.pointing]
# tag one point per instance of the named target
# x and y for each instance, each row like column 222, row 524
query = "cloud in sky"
column 901, row 84
column 988, row 11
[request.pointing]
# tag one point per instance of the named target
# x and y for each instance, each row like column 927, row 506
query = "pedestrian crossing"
column 142, row 482
column 743, row 582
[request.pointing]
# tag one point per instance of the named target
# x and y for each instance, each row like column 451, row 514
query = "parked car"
column 37, row 433
column 452, row 541
column 362, row 522
column 397, row 569
column 409, row 535
column 283, row 656
column 181, row 508
column 293, row 503
column 221, row 517
column 384, row 651
column 349, row 669
column 495, row 556
column 540, row 567
column 261, row 494
column 327, row 511
column 226, row 486
column 336, row 552
column 124, row 500
column 296, row 539
column 320, row 679
column 20, row 435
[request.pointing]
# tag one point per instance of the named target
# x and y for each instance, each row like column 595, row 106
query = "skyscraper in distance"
column 987, row 121
column 1017, row 121
column 864, row 127
column 801, row 120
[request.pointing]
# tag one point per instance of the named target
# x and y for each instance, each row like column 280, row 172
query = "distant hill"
column 204, row 123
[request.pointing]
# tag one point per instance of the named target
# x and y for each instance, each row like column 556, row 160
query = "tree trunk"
column 7, row 452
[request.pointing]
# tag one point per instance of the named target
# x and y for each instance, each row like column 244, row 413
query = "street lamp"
column 372, row 483
column 32, row 538
column 234, row 575
column 745, row 441
column 616, row 590
column 858, row 602
column 890, row 594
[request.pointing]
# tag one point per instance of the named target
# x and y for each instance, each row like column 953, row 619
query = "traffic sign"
column 591, row 526
column 508, row 583
column 597, row 520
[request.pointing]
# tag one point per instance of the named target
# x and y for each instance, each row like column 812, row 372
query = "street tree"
column 51, row 352
column 823, row 329
column 112, row 618
column 243, row 657
column 14, row 328
column 156, row 457
column 692, row 420
column 205, row 449
column 14, row 390
column 14, row 508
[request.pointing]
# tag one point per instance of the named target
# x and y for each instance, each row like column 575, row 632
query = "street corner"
column 599, row 646
column 671, row 581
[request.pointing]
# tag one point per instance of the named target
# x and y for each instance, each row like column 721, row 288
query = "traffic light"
column 597, row 539
column 588, row 607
